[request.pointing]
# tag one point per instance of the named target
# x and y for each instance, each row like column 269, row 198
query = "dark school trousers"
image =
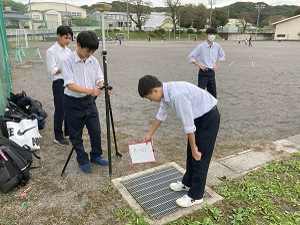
column 206, row 79
column 207, row 127
column 59, row 112
column 76, row 110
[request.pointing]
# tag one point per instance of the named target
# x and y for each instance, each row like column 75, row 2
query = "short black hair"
column 88, row 39
column 147, row 83
column 62, row 30
column 211, row 30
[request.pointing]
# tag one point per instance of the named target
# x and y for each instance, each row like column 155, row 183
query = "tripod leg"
column 77, row 137
column 119, row 155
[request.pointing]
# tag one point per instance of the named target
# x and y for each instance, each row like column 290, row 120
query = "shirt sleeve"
column 163, row 111
column 183, row 107
column 221, row 54
column 51, row 63
column 99, row 76
column 67, row 72
column 193, row 55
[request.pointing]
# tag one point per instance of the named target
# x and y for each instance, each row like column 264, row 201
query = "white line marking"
column 252, row 64
column 231, row 63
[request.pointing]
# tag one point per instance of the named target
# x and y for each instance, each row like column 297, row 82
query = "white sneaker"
column 186, row 201
column 179, row 186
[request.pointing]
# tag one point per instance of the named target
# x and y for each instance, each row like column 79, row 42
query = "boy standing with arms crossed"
column 207, row 56
column 54, row 56
column 83, row 79
column 200, row 118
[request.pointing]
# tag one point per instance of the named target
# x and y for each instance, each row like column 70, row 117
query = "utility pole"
column 127, row 22
column 211, row 3
column 33, row 36
column 258, row 7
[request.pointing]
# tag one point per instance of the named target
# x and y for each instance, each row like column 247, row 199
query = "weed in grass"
column 215, row 213
column 106, row 188
column 134, row 218
column 237, row 216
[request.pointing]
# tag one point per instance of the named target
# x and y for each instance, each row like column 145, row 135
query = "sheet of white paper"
column 141, row 152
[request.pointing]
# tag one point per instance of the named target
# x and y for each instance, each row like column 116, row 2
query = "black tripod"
column 109, row 118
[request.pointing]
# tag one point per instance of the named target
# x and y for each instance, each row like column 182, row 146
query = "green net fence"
column 5, row 64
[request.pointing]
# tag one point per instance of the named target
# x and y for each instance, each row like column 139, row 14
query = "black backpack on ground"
column 13, row 170
column 25, row 153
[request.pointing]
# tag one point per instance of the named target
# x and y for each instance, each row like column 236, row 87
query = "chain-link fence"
column 4, row 64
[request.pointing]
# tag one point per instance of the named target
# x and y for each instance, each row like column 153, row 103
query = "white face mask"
column 211, row 38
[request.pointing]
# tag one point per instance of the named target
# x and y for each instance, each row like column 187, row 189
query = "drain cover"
column 149, row 191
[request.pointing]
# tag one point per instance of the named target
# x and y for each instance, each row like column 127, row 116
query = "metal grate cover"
column 152, row 191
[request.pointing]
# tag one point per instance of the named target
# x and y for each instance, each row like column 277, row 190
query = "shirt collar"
column 59, row 47
column 165, row 92
column 207, row 45
column 77, row 58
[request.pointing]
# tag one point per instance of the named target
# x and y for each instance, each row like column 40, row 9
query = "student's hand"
column 148, row 138
column 203, row 68
column 196, row 154
column 95, row 91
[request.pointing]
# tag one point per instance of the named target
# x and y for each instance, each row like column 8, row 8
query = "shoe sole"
column 57, row 142
column 194, row 203
column 99, row 164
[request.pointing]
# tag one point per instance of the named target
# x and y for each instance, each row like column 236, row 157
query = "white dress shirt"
column 189, row 102
column 54, row 56
column 206, row 55
column 86, row 73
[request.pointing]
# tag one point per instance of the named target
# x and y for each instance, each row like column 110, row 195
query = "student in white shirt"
column 207, row 56
column 54, row 55
column 83, row 79
column 197, row 110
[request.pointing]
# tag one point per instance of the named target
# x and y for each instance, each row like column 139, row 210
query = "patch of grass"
column 269, row 195
column 130, row 215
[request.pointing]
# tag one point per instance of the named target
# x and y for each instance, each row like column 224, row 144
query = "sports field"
column 258, row 92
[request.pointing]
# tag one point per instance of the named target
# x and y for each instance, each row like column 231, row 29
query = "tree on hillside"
column 16, row 6
column 173, row 7
column 219, row 18
column 247, row 18
column 89, row 9
column 297, row 11
column 200, row 16
column 138, row 11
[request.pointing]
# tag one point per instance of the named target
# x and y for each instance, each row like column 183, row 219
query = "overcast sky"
column 219, row 3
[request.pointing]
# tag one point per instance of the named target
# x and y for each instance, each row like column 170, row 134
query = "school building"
column 288, row 29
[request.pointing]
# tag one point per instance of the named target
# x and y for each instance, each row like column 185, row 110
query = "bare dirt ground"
column 258, row 93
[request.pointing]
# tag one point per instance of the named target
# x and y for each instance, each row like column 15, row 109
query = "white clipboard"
column 141, row 152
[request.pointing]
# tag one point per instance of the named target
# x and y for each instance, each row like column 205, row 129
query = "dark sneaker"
column 85, row 168
column 99, row 160
column 63, row 142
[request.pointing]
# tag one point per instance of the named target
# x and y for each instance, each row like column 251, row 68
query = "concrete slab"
column 287, row 145
column 210, row 199
column 249, row 160
column 216, row 171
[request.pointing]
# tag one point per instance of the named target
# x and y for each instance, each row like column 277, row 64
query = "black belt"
column 58, row 80
column 82, row 98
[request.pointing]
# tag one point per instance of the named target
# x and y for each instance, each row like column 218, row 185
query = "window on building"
column 79, row 14
column 280, row 35
column 113, row 17
column 36, row 17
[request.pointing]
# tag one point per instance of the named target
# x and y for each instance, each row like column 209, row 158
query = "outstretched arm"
column 156, row 123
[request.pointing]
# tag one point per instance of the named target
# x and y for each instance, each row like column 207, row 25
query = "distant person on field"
column 200, row 118
column 250, row 44
column 246, row 41
column 83, row 79
column 239, row 41
column 120, row 39
column 54, row 56
column 117, row 40
column 207, row 56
